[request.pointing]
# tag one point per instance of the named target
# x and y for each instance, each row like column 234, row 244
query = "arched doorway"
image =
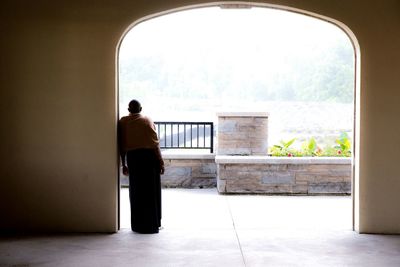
column 236, row 5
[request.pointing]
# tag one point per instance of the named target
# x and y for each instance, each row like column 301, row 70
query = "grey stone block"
column 282, row 189
column 209, row 168
column 175, row 181
column 204, row 183
column 324, row 188
column 226, row 126
column 329, row 179
column 221, row 185
column 300, row 189
column 178, row 172
column 298, row 167
column 304, row 177
column 269, row 167
column 278, row 178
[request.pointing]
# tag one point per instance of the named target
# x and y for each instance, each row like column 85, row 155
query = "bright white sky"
column 228, row 29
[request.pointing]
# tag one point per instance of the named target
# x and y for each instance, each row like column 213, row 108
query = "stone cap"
column 280, row 160
column 187, row 156
column 243, row 114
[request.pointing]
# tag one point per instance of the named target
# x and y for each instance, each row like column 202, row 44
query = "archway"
column 336, row 23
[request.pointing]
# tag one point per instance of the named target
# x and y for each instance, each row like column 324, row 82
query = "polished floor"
column 203, row 228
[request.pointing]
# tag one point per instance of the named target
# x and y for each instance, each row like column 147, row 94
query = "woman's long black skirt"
column 144, row 190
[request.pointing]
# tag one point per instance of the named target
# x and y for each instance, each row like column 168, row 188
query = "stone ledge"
column 188, row 156
column 243, row 114
column 280, row 160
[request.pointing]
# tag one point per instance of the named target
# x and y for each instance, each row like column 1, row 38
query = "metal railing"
column 185, row 135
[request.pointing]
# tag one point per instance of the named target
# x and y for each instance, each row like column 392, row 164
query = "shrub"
column 311, row 149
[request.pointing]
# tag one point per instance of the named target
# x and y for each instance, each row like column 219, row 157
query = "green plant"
column 311, row 149
column 343, row 145
column 283, row 149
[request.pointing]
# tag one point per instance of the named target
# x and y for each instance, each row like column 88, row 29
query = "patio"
column 205, row 209
column 204, row 228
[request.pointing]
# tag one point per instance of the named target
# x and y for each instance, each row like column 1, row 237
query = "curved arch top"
column 242, row 4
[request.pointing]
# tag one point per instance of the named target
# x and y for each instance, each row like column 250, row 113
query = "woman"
column 139, row 145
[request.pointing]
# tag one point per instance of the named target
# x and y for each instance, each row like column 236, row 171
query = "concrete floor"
column 202, row 228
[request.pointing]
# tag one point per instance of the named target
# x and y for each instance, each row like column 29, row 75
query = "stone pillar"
column 242, row 133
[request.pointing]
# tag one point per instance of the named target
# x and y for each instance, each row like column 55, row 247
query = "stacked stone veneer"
column 190, row 171
column 257, row 174
column 242, row 133
column 186, row 171
column 284, row 175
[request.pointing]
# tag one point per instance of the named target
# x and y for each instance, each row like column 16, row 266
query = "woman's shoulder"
column 137, row 118
column 124, row 118
column 130, row 117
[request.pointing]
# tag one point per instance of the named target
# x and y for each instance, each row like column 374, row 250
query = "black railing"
column 185, row 135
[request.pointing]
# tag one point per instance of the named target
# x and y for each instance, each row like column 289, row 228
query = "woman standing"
column 139, row 147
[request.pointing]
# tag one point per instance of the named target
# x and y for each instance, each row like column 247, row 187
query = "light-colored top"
column 223, row 159
column 256, row 114
column 137, row 131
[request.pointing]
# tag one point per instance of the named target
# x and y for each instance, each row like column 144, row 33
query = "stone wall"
column 242, row 133
column 190, row 171
column 271, row 175
column 186, row 171
column 257, row 174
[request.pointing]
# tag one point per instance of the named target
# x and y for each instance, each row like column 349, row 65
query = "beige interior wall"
column 58, row 152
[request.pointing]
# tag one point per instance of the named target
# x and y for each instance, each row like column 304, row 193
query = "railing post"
column 212, row 138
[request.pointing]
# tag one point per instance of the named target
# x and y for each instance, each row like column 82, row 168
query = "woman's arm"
column 160, row 160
